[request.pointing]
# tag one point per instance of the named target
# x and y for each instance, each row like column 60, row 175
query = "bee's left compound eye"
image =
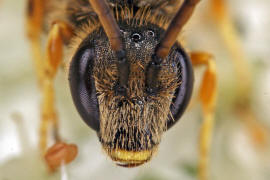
column 82, row 86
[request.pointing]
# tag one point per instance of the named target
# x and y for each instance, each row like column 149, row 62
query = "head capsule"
column 129, row 127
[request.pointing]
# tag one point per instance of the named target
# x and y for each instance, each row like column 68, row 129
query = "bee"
column 130, row 78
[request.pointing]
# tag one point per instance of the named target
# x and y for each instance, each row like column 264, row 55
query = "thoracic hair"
column 78, row 12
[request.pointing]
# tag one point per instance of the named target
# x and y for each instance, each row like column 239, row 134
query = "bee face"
column 129, row 126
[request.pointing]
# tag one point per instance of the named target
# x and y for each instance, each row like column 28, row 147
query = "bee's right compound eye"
column 183, row 92
column 82, row 86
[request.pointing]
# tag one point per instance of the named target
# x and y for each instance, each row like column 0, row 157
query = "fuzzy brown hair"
column 135, row 122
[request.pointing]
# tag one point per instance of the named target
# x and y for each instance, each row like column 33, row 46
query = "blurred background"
column 240, row 147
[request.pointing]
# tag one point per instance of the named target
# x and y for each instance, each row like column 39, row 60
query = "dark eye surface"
column 184, row 91
column 136, row 37
column 82, row 86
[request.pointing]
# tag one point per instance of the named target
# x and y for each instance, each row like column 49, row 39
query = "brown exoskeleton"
column 130, row 79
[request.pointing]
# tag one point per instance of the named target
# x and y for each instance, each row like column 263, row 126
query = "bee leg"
column 46, row 70
column 60, row 152
column 232, row 41
column 207, row 98
column 226, row 28
column 35, row 9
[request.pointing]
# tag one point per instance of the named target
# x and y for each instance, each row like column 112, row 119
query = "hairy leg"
column 207, row 98
column 46, row 69
column 231, row 39
column 239, row 59
column 60, row 152
column 35, row 14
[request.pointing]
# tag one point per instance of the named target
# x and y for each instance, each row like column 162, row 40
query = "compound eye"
column 136, row 37
column 82, row 86
column 183, row 93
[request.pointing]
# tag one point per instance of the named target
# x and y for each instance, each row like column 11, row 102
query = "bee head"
column 129, row 125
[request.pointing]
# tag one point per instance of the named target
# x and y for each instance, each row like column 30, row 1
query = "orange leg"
column 35, row 10
column 50, row 66
column 229, row 34
column 46, row 70
column 60, row 152
column 207, row 98
column 243, row 108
